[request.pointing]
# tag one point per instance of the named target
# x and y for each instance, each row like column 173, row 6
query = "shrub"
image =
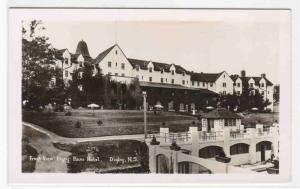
column 78, row 124
column 163, row 124
column 193, row 122
column 68, row 114
column 99, row 122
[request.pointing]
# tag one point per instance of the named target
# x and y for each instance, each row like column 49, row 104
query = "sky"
column 199, row 46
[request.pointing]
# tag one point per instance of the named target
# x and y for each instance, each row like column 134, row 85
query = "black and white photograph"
column 156, row 92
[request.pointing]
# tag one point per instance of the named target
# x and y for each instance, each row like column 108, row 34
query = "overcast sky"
column 211, row 46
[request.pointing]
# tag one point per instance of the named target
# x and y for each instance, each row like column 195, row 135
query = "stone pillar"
column 275, row 140
column 242, row 128
column 252, row 147
column 226, row 146
column 175, row 163
column 164, row 135
column 152, row 158
column 195, row 140
column 204, row 124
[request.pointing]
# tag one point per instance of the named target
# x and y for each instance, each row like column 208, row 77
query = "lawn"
column 114, row 122
column 264, row 118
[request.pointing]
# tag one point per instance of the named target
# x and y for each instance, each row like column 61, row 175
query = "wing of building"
column 169, row 77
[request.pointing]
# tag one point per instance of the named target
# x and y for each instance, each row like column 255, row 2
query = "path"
column 64, row 140
column 43, row 144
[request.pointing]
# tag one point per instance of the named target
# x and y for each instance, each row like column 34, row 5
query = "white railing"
column 210, row 136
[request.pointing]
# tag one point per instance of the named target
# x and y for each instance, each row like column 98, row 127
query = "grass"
column 114, row 122
column 264, row 118
column 112, row 156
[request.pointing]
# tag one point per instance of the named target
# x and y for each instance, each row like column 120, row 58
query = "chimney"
column 243, row 73
column 263, row 75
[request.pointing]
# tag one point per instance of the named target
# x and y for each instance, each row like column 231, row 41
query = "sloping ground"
column 268, row 119
column 114, row 122
column 49, row 158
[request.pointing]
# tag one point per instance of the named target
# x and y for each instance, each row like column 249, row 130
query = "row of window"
column 203, row 84
column 116, row 74
column 230, row 122
column 109, row 64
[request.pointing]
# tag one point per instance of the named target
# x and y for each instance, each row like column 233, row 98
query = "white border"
column 275, row 4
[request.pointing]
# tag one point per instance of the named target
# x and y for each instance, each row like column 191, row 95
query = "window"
column 198, row 84
column 162, row 71
column 183, row 73
column 116, row 74
column 224, row 84
column 116, row 64
column 66, row 73
column 109, row 64
column 66, row 60
column 123, row 75
column 137, row 68
column 172, row 81
column 251, row 85
column 183, row 82
column 230, row 122
column 123, row 66
column 224, row 75
column 150, row 70
column 109, row 73
column 211, row 84
column 137, row 76
column 161, row 80
column 238, row 84
column 166, row 80
column 150, row 79
column 224, row 92
column 80, row 64
column 193, row 83
column 116, row 52
column 142, row 77
column 172, row 72
column 262, row 85
column 203, row 84
column 239, row 148
column 238, row 92
column 187, row 82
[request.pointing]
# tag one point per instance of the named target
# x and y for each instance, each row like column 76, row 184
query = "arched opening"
column 263, row 150
column 211, row 152
column 162, row 164
column 187, row 167
column 239, row 148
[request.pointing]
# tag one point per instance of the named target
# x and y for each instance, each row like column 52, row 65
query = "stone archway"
column 263, row 150
column 211, row 151
column 187, row 167
column 162, row 164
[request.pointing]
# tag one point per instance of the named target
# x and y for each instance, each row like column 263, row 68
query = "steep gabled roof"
column 206, row 77
column 220, row 113
column 158, row 66
column 58, row 53
column 234, row 77
column 103, row 54
column 82, row 48
column 256, row 80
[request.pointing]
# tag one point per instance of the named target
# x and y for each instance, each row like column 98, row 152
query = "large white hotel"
column 152, row 74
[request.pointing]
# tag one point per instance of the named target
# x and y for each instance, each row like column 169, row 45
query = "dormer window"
column 183, row 73
column 150, row 70
column 80, row 64
column 137, row 68
column 251, row 85
column 161, row 71
column 262, row 85
column 238, row 84
column 172, row 72
column 66, row 61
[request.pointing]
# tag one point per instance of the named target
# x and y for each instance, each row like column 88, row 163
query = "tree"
column 38, row 68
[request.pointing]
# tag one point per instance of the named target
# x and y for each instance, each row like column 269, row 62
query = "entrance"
column 210, row 125
column 262, row 153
